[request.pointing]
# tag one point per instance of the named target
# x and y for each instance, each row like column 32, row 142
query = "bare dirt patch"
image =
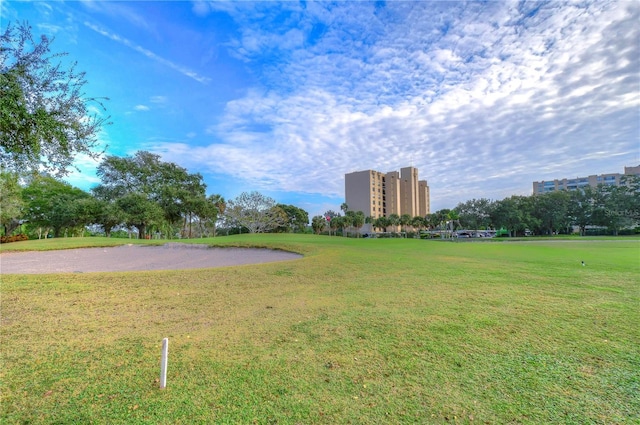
column 172, row 256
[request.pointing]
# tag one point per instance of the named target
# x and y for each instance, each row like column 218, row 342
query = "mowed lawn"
column 381, row 331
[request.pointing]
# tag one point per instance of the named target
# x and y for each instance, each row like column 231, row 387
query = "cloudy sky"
column 285, row 98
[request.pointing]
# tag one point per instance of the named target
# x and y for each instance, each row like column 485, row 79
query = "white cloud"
column 141, row 108
column 149, row 54
column 483, row 99
column 158, row 100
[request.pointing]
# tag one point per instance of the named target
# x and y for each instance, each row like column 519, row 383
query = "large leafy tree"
column 552, row 211
column 108, row 215
column 180, row 195
column 506, row 213
column 11, row 203
column 580, row 209
column 297, row 219
column 45, row 116
column 515, row 214
column 475, row 214
column 139, row 212
column 51, row 204
column 254, row 211
column 617, row 206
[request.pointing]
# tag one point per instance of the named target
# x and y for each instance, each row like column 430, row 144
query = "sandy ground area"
column 172, row 256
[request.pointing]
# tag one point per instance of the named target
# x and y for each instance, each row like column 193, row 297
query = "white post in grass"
column 163, row 363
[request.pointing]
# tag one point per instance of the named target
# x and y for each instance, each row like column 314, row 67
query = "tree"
column 618, row 206
column 45, row 118
column 219, row 205
column 11, row 203
column 297, row 219
column 82, row 212
column 580, row 209
column 452, row 222
column 394, row 220
column 139, row 212
column 330, row 215
column 431, row 221
column 108, row 215
column 51, row 205
column 381, row 222
column 210, row 211
column 514, row 214
column 552, row 212
column 318, row 223
column 254, row 211
column 180, row 195
column 418, row 222
column 337, row 222
column 475, row 214
column 405, row 220
column 357, row 221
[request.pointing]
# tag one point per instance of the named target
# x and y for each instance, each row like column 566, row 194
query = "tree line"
column 146, row 197
column 138, row 194
column 607, row 208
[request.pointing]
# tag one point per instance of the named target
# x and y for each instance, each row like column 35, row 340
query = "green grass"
column 358, row 331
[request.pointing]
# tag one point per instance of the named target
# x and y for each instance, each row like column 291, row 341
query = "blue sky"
column 285, row 98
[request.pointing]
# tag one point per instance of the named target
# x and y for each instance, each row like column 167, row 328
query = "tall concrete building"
column 612, row 179
column 379, row 194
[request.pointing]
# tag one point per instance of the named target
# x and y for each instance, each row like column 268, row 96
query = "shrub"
column 15, row 238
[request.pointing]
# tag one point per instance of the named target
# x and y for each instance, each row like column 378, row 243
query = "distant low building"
column 379, row 194
column 569, row 184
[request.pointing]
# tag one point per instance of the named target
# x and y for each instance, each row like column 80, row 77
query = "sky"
column 285, row 98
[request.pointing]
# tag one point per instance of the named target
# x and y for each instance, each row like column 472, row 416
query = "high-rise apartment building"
column 612, row 179
column 379, row 194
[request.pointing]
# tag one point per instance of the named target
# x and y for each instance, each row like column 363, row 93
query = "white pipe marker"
column 163, row 363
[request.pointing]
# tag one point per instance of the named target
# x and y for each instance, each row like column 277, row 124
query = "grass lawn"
column 365, row 331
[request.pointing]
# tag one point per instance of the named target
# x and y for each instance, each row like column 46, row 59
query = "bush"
column 15, row 238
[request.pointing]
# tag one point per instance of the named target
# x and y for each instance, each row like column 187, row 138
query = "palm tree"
column 369, row 220
column 394, row 220
column 381, row 223
column 220, row 205
column 405, row 220
column 418, row 223
column 317, row 223
column 357, row 221
column 453, row 221
column 347, row 221
column 335, row 223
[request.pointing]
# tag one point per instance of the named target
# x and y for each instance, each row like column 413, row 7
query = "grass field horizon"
column 360, row 331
